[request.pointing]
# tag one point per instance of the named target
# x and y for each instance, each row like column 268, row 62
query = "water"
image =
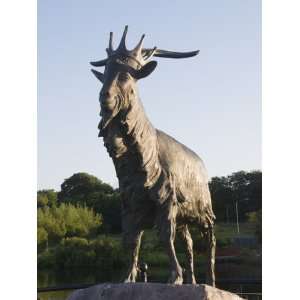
column 57, row 295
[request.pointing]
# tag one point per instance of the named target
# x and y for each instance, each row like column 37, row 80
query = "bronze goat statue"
column 162, row 182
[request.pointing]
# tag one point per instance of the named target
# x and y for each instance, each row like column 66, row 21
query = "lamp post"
column 227, row 214
column 237, row 216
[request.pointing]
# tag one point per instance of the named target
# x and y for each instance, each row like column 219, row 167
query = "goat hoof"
column 190, row 278
column 175, row 278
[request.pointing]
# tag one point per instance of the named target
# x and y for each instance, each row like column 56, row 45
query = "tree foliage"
column 85, row 189
column 81, row 186
column 66, row 220
column 244, row 188
column 103, row 253
column 46, row 198
column 255, row 218
column 42, row 236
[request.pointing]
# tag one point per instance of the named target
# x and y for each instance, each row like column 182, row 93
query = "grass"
column 223, row 231
column 229, row 230
column 153, row 252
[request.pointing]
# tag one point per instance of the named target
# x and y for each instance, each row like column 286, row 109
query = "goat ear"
column 145, row 70
column 99, row 75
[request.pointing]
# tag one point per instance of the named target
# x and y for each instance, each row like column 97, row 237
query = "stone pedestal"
column 151, row 291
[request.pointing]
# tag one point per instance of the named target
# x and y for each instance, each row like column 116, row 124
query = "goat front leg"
column 167, row 232
column 132, row 243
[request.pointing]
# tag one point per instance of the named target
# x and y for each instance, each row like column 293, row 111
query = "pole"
column 227, row 214
column 237, row 217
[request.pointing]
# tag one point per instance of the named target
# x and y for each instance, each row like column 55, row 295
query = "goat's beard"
column 108, row 115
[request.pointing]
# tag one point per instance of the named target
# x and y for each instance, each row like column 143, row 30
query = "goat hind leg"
column 211, row 250
column 187, row 239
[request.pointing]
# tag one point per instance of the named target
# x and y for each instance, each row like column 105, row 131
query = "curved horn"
column 171, row 54
column 99, row 63
column 138, row 47
column 110, row 45
column 148, row 54
column 122, row 42
column 110, row 49
column 99, row 75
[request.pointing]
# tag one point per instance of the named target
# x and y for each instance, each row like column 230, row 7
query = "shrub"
column 74, row 252
column 109, row 253
column 42, row 236
column 67, row 220
column 157, row 259
column 47, row 259
column 223, row 243
column 103, row 253
column 54, row 226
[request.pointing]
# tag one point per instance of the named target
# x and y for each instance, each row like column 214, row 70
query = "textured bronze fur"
column 162, row 182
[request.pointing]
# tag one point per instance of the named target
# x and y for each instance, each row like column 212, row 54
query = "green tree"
column 221, row 195
column 85, row 189
column 46, row 198
column 79, row 187
column 255, row 218
column 110, row 208
column 246, row 190
column 258, row 228
column 42, row 236
column 67, row 220
column 54, row 226
column 42, row 200
column 242, row 187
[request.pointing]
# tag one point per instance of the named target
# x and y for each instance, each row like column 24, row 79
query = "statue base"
column 151, row 291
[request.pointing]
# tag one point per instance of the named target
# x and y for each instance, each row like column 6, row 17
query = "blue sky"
column 211, row 103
